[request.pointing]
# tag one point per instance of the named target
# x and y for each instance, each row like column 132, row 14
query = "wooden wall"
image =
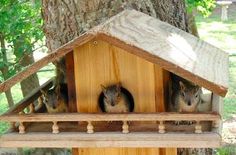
column 98, row 62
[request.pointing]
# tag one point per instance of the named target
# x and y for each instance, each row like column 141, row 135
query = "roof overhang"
column 163, row 44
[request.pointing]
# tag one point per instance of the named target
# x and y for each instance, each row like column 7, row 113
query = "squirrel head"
column 51, row 98
column 112, row 94
column 190, row 94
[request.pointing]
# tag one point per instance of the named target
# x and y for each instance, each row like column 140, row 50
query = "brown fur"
column 186, row 98
column 115, row 100
column 56, row 100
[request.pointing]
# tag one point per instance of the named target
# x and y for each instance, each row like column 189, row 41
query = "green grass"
column 218, row 33
column 230, row 99
column 227, row 150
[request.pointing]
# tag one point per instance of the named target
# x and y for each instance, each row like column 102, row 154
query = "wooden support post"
column 215, row 124
column 21, row 128
column 217, row 107
column 55, row 128
column 161, row 127
column 125, row 127
column 198, row 127
column 90, row 127
column 70, row 76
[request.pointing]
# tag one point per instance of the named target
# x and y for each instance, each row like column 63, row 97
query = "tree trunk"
column 4, row 70
column 65, row 20
column 32, row 82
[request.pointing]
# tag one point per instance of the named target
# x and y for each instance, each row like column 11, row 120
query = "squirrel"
column 116, row 99
column 185, row 96
column 56, row 99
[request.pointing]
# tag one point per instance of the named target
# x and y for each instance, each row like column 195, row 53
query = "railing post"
column 125, row 127
column 55, row 128
column 198, row 127
column 90, row 127
column 161, row 127
column 21, row 128
column 215, row 125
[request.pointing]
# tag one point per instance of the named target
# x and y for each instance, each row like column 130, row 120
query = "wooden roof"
column 158, row 42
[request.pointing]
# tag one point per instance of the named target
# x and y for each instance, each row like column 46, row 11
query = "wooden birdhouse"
column 140, row 52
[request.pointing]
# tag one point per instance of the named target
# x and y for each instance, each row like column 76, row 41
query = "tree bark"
column 32, row 82
column 5, row 70
column 65, row 20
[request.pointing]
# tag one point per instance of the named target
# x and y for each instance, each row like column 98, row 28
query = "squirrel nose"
column 189, row 103
column 112, row 103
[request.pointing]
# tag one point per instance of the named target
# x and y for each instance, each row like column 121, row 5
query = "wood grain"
column 98, row 62
column 121, row 151
column 74, row 117
column 70, row 76
column 161, row 88
column 136, row 140
column 217, row 107
column 170, row 48
column 164, row 45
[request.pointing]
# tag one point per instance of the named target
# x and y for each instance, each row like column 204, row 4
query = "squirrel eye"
column 183, row 94
column 196, row 95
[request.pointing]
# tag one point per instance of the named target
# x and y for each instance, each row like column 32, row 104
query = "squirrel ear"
column 182, row 86
column 104, row 89
column 43, row 92
column 197, row 88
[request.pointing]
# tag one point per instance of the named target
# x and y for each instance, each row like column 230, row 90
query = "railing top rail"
column 67, row 117
column 30, row 98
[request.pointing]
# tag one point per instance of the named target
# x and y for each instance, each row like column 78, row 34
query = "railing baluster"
column 125, row 127
column 55, row 127
column 215, row 124
column 161, row 127
column 198, row 127
column 90, row 127
column 21, row 128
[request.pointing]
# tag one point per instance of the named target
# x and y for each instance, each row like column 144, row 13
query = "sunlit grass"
column 218, row 33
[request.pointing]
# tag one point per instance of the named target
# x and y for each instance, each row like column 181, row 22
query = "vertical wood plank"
column 217, row 106
column 102, row 63
column 70, row 76
column 168, row 151
column 119, row 151
column 162, row 81
column 98, row 62
column 161, row 88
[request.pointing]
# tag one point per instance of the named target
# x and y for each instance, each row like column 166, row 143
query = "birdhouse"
column 139, row 52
